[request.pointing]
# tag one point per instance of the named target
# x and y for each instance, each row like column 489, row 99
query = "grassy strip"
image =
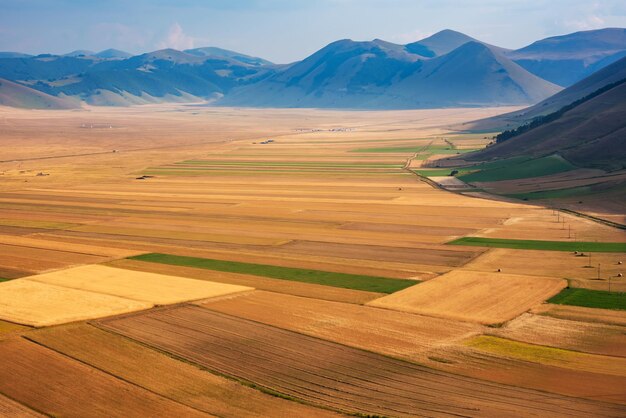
column 326, row 278
column 552, row 194
column 2, row 279
column 286, row 164
column 590, row 299
column 201, row 173
column 520, row 244
column 538, row 167
column 418, row 148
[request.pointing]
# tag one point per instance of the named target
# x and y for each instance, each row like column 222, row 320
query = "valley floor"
column 187, row 260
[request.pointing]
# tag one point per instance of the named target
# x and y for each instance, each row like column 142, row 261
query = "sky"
column 284, row 31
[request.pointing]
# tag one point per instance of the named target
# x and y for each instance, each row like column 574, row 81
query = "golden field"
column 332, row 194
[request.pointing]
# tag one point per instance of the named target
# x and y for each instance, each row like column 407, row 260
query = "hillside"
column 566, row 59
column 219, row 52
column 592, row 134
column 472, row 75
column 108, row 78
column 446, row 69
column 604, row 77
column 17, row 95
column 379, row 74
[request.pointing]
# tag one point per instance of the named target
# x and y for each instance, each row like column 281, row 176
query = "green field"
column 327, row 278
column 509, row 170
column 552, row 194
column 434, row 172
column 590, row 299
column 519, row 244
column 201, row 163
column 3, row 280
column 433, row 149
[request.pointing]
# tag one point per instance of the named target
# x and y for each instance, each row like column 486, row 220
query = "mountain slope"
column 113, row 54
column 225, row 53
column 17, row 95
column 473, row 75
column 379, row 74
column 164, row 75
column 566, row 59
column 603, row 77
column 592, row 134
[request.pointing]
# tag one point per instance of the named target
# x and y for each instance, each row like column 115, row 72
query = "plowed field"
column 334, row 375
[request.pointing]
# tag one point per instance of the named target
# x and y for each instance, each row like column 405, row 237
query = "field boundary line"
column 91, row 366
column 244, row 382
column 27, row 406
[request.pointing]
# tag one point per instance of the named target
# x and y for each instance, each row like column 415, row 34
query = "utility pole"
column 569, row 231
column 598, row 271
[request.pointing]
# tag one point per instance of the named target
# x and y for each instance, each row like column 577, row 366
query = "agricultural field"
column 591, row 299
column 486, row 298
column 313, row 275
column 328, row 374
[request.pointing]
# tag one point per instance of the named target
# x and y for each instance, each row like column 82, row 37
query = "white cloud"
column 588, row 23
column 176, row 38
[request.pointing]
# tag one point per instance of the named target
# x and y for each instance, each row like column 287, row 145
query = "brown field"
column 10, row 408
column 487, row 298
column 384, row 331
column 579, row 313
column 333, row 375
column 567, row 334
column 550, row 356
column 532, row 375
column 157, row 289
column 56, row 385
column 561, row 264
column 308, row 200
column 39, row 304
column 165, row 376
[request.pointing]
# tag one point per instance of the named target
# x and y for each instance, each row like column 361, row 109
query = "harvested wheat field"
column 579, row 313
column 550, row 356
column 330, row 374
column 384, row 331
column 40, row 304
column 562, row 333
column 157, row 289
column 509, row 370
column 59, row 386
column 10, row 408
column 580, row 270
column 196, row 182
column 487, row 298
column 165, row 376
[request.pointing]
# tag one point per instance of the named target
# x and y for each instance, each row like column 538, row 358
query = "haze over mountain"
column 590, row 134
column 380, row 74
column 566, row 59
column 610, row 74
column 446, row 69
column 17, row 95
column 109, row 78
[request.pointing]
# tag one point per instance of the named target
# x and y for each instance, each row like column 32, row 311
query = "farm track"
column 333, row 375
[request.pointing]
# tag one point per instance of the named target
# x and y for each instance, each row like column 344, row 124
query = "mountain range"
column 584, row 123
column 447, row 69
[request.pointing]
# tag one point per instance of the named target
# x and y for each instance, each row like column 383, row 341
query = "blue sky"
column 286, row 30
